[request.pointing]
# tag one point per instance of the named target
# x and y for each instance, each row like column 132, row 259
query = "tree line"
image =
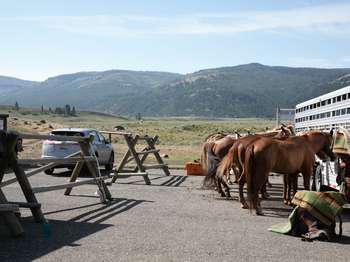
column 66, row 110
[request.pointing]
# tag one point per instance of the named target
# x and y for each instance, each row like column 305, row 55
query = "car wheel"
column 49, row 171
column 110, row 163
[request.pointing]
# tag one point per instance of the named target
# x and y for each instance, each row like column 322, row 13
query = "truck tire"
column 318, row 178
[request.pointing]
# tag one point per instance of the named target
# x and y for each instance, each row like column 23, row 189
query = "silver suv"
column 60, row 149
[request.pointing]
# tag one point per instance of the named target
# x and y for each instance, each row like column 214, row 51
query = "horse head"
column 323, row 143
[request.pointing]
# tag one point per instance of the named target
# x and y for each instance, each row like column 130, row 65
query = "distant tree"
column 50, row 110
column 42, row 109
column 67, row 110
column 59, row 111
column 138, row 116
column 16, row 106
column 73, row 113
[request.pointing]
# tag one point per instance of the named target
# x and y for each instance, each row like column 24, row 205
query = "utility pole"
column 277, row 116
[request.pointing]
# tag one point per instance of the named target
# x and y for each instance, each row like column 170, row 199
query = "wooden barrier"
column 8, row 159
column 139, row 157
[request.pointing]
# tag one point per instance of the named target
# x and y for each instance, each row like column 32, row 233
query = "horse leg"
column 263, row 191
column 236, row 172
column 225, row 184
column 307, row 173
column 295, row 184
column 228, row 175
column 290, row 179
column 255, row 199
column 241, row 198
column 285, row 186
column 218, row 185
column 257, row 206
column 259, row 186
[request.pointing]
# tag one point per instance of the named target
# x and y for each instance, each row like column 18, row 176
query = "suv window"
column 102, row 138
column 96, row 138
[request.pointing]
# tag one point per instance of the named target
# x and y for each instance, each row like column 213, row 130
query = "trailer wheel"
column 49, row 171
column 318, row 178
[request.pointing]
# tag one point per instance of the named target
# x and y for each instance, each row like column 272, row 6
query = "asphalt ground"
column 171, row 220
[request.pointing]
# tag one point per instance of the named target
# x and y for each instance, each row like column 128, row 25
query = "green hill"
column 251, row 90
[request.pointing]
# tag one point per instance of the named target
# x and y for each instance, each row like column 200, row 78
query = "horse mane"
column 220, row 134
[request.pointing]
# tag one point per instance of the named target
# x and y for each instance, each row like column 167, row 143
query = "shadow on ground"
column 35, row 244
column 170, row 181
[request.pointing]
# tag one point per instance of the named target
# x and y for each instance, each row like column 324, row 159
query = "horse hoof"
column 244, row 206
column 222, row 195
column 259, row 213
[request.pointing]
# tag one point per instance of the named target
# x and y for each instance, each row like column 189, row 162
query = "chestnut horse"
column 290, row 156
column 212, row 153
column 236, row 157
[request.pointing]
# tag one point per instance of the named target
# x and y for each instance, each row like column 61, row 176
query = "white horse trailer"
column 325, row 112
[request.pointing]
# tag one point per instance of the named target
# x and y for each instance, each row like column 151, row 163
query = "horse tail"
column 204, row 158
column 224, row 166
column 249, row 173
column 211, row 166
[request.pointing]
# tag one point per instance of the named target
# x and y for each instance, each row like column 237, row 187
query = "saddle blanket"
column 324, row 206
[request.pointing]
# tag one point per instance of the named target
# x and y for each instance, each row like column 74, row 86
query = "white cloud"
column 318, row 62
column 327, row 19
column 345, row 60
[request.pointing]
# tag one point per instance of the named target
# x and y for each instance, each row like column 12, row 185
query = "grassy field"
column 179, row 137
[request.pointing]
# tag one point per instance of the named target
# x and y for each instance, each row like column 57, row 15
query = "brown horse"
column 212, row 154
column 236, row 157
column 214, row 137
column 213, row 148
column 290, row 156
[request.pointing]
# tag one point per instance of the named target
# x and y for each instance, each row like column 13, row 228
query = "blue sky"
column 40, row 39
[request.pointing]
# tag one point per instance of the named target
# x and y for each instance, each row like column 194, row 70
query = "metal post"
column 277, row 116
column 3, row 121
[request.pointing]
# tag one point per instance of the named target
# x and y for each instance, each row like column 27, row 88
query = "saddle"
column 314, row 217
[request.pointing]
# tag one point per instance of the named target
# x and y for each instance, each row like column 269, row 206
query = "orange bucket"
column 194, row 169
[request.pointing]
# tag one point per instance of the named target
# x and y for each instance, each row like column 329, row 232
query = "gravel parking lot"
column 171, row 220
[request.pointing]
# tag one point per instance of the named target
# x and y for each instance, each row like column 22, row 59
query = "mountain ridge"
column 249, row 90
